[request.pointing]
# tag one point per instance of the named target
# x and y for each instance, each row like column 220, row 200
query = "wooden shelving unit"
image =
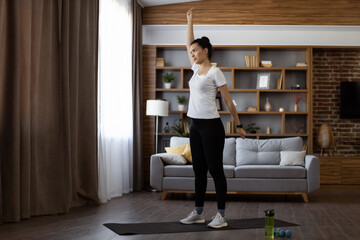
column 241, row 82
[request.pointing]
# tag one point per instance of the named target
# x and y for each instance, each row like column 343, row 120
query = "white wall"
column 255, row 35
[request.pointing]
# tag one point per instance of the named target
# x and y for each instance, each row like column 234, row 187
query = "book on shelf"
column 250, row 61
column 301, row 64
column 251, row 109
column 160, row 62
column 230, row 127
column 266, row 63
column 280, row 82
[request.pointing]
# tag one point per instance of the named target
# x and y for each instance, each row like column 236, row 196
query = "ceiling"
column 149, row 3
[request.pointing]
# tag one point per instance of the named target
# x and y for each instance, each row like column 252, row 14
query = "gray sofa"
column 250, row 166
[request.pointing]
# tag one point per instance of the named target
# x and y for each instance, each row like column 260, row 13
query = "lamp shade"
column 157, row 108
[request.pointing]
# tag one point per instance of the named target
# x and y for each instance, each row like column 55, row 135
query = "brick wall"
column 330, row 67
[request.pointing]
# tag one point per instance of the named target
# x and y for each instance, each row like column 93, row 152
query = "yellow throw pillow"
column 183, row 150
column 187, row 153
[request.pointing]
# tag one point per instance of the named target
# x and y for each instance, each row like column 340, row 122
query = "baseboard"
column 304, row 195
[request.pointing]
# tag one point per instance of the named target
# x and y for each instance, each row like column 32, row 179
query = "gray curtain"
column 48, row 81
column 137, row 96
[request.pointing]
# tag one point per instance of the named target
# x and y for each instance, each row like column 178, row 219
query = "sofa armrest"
column 312, row 166
column 156, row 172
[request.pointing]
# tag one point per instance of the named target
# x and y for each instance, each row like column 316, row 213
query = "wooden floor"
column 330, row 214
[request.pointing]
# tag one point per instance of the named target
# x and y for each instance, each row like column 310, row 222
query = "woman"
column 207, row 135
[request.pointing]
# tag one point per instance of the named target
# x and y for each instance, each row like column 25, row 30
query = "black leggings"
column 207, row 139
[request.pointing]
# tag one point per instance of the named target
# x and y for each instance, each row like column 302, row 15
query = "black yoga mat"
column 177, row 227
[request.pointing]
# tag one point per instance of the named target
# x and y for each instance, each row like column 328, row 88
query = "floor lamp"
column 157, row 108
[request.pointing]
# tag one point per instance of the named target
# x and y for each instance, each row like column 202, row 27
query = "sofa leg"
column 163, row 195
column 305, row 197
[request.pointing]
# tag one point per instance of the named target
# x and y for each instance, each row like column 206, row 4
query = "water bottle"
column 269, row 223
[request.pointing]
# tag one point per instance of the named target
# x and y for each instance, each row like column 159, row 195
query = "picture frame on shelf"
column 263, row 81
column 218, row 103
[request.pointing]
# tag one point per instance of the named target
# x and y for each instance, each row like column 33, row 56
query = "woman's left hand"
column 242, row 132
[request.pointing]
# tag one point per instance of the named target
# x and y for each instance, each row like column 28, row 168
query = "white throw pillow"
column 172, row 158
column 292, row 158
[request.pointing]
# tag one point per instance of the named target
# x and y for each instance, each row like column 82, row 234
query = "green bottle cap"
column 270, row 213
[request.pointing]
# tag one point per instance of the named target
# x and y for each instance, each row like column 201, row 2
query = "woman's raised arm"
column 190, row 33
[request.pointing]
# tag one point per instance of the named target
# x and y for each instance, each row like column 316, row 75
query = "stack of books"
column 301, row 64
column 230, row 127
column 251, row 61
column 266, row 64
column 160, row 62
column 251, row 109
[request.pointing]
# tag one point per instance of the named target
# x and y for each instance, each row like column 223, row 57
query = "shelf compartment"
column 274, row 121
column 232, row 56
column 284, row 100
column 175, row 84
column 243, row 101
column 247, row 79
column 283, row 57
column 294, row 123
column 171, row 119
column 174, row 56
column 294, row 76
column 172, row 99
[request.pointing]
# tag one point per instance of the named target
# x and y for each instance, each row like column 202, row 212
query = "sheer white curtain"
column 115, row 123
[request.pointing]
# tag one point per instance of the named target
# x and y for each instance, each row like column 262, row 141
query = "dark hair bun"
column 206, row 40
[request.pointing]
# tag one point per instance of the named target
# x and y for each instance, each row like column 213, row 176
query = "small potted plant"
column 168, row 77
column 181, row 127
column 252, row 128
column 181, row 101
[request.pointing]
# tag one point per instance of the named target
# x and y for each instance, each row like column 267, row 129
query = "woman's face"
column 198, row 54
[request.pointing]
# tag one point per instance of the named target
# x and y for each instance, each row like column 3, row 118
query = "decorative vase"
column 267, row 105
column 296, row 107
column 181, row 107
column 325, row 138
column 167, row 85
column 268, row 130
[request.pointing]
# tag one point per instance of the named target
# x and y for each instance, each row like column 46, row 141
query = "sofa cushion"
column 176, row 141
column 187, row 171
column 228, row 153
column 183, row 150
column 264, row 151
column 270, row 171
column 292, row 158
column 172, row 158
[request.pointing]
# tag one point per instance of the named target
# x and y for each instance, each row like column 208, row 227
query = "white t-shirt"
column 203, row 90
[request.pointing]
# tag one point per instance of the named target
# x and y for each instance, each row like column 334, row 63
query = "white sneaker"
column 193, row 217
column 218, row 221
